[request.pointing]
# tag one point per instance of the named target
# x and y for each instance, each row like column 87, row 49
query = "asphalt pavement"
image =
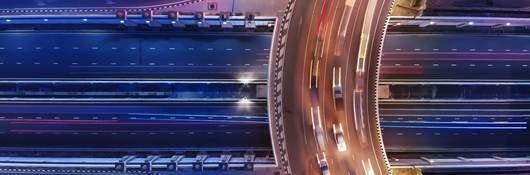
column 134, row 126
column 456, row 56
column 324, row 34
column 150, row 55
column 457, row 92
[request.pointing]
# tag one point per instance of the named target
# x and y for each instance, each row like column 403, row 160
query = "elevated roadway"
column 327, row 34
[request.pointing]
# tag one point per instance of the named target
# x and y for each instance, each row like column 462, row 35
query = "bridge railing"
column 201, row 161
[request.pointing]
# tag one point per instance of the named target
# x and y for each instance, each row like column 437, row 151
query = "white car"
column 323, row 164
column 339, row 137
column 337, row 85
column 318, row 129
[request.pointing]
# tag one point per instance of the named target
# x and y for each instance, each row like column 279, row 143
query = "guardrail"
column 492, row 161
column 454, row 23
column 276, row 65
column 97, row 10
column 185, row 161
column 197, row 22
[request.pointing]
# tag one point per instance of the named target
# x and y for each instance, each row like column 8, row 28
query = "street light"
column 246, row 80
column 244, row 101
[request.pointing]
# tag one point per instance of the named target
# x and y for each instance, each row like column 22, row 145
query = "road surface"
column 456, row 56
column 455, row 92
column 133, row 55
column 134, row 126
column 314, row 38
column 65, row 89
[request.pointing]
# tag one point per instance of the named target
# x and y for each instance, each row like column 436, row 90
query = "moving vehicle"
column 323, row 164
column 313, row 77
column 337, row 85
column 318, row 129
column 338, row 133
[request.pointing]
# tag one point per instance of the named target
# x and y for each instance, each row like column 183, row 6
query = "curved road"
column 327, row 34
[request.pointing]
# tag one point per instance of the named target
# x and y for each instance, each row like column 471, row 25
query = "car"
column 337, row 85
column 338, row 132
column 318, row 129
column 313, row 74
column 323, row 164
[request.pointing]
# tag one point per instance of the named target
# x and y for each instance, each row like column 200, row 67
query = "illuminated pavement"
column 134, row 55
column 456, row 57
column 454, row 92
column 314, row 39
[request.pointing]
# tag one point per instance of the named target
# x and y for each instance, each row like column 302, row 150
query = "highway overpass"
column 189, row 94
